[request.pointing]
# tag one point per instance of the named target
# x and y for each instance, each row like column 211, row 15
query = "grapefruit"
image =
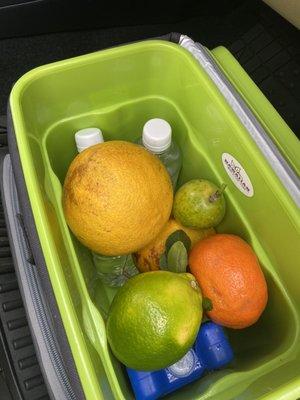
column 117, row 197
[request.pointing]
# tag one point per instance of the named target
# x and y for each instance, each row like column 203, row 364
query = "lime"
column 154, row 319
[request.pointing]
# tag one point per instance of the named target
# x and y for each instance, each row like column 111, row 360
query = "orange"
column 117, row 197
column 229, row 274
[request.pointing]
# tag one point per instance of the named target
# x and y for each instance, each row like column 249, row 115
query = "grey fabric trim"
column 35, row 246
column 38, row 313
column 277, row 162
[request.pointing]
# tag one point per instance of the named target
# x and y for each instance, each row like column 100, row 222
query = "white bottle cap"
column 88, row 137
column 157, row 135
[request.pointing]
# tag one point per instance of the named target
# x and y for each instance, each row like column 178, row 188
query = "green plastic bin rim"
column 283, row 170
column 216, row 75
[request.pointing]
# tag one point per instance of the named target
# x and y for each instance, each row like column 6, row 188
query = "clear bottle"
column 157, row 138
column 114, row 271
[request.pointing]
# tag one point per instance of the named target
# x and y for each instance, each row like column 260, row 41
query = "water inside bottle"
column 172, row 160
column 114, row 271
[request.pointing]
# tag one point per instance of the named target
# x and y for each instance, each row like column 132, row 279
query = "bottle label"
column 237, row 174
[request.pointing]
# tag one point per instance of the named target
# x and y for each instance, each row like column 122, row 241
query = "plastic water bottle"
column 157, row 138
column 88, row 137
column 114, row 271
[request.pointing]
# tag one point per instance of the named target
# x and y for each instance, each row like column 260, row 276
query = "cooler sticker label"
column 237, row 174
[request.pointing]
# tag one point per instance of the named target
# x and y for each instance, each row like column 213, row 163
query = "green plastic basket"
column 118, row 90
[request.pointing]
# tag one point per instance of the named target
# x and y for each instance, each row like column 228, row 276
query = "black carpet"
column 266, row 45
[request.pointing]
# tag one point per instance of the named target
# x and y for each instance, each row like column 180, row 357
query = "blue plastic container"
column 211, row 351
